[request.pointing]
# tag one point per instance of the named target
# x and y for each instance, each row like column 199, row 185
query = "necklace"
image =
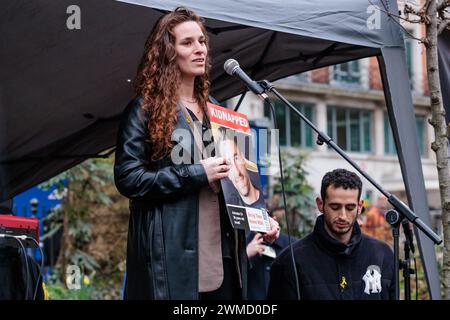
column 190, row 108
column 189, row 101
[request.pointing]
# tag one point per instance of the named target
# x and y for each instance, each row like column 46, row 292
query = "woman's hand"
column 216, row 168
column 255, row 247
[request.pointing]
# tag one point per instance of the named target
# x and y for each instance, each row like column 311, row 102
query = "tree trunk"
column 440, row 145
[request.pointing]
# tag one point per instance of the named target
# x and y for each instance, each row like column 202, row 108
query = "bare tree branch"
column 409, row 8
column 386, row 11
column 444, row 24
column 442, row 5
column 422, row 12
column 389, row 14
column 426, row 7
column 415, row 11
column 442, row 9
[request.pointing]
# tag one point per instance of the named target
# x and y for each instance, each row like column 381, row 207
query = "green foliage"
column 81, row 258
column 53, row 222
column 300, row 202
column 82, row 187
column 60, row 292
column 92, row 287
column 85, row 181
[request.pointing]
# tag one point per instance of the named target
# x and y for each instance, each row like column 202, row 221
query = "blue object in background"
column 123, row 284
column 45, row 201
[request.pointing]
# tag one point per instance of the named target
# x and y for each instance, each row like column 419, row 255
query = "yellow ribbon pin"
column 44, row 288
column 343, row 283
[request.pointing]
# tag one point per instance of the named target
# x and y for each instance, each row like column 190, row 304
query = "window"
column 303, row 77
column 421, row 134
column 409, row 60
column 294, row 132
column 347, row 73
column 350, row 128
column 389, row 144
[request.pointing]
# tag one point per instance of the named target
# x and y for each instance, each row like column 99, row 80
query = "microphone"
column 232, row 67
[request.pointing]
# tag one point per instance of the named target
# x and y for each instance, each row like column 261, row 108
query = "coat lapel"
column 183, row 137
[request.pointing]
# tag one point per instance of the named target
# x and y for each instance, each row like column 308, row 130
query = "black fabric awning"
column 62, row 91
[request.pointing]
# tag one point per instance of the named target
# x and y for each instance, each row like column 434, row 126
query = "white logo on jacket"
column 372, row 279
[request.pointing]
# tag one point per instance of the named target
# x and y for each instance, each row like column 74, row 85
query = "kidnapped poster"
column 242, row 188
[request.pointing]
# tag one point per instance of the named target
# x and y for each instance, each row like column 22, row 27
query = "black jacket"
column 328, row 269
column 162, row 255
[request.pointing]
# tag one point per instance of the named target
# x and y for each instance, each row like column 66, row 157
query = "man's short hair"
column 340, row 178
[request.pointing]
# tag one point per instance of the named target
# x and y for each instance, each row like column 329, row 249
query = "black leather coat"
column 162, row 256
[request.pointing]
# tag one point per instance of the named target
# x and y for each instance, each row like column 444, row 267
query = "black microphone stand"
column 394, row 219
column 402, row 210
column 405, row 265
column 407, row 271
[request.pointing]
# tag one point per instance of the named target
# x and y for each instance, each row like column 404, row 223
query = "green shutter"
column 421, row 137
column 295, row 127
column 355, row 143
column 280, row 111
column 308, row 131
column 367, row 131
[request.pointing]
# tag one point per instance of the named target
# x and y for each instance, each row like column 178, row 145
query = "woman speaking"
column 181, row 244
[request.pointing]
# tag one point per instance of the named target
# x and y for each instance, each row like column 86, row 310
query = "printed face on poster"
column 242, row 188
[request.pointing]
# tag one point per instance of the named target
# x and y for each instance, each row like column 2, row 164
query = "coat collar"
column 332, row 245
column 183, row 135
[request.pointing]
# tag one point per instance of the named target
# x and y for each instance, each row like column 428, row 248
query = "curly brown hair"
column 159, row 76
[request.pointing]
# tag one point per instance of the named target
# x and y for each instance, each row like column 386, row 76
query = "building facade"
column 347, row 102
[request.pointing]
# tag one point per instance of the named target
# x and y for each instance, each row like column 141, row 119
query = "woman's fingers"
column 219, row 161
column 223, row 168
column 221, row 175
column 216, row 168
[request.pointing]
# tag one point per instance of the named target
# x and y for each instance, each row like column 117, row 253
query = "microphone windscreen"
column 230, row 65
